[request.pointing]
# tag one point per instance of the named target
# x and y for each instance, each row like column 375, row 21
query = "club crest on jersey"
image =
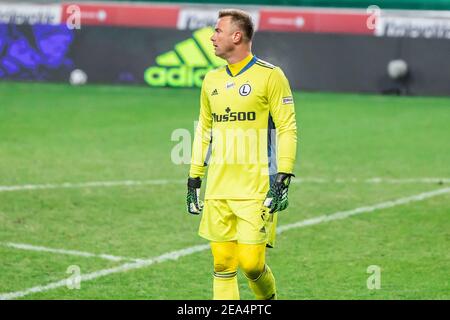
column 245, row 90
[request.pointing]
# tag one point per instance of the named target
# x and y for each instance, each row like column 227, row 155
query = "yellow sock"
column 252, row 259
column 226, row 286
column 264, row 286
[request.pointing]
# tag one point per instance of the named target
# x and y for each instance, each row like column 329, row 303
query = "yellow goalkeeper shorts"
column 244, row 221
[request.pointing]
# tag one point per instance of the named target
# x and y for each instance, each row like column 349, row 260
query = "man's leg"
column 252, row 259
column 225, row 270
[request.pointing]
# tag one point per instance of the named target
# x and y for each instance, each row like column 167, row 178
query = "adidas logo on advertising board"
column 187, row 64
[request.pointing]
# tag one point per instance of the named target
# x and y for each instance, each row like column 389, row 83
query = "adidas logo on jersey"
column 187, row 64
column 214, row 93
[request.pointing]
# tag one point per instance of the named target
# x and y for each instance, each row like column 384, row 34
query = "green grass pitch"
column 53, row 134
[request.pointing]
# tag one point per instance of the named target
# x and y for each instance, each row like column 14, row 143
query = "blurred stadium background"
column 96, row 96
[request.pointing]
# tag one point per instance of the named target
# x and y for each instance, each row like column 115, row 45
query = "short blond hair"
column 242, row 19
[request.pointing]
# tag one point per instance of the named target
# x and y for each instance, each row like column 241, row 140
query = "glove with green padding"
column 194, row 204
column 277, row 197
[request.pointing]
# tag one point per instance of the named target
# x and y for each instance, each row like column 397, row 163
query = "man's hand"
column 277, row 197
column 194, row 204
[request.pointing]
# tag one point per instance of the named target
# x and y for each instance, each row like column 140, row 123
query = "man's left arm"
column 282, row 110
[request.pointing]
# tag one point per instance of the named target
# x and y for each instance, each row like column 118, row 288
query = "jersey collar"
column 236, row 69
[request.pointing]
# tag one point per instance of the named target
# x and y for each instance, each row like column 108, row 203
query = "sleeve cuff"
column 286, row 166
column 197, row 171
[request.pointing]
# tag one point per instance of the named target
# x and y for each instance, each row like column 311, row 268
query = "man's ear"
column 237, row 36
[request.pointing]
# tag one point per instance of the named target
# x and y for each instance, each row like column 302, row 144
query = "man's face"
column 224, row 37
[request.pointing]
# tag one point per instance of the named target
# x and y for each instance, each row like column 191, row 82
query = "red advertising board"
column 316, row 21
column 125, row 15
column 395, row 23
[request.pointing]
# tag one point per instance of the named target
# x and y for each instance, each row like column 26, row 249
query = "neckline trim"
column 247, row 66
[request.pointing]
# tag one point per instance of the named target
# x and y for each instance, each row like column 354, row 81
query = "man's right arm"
column 200, row 146
column 202, row 137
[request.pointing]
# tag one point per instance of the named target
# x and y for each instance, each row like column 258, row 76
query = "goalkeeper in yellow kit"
column 247, row 138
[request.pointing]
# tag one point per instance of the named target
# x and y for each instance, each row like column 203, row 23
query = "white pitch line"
column 23, row 246
column 70, row 185
column 345, row 214
column 130, row 183
column 376, row 180
column 408, row 180
column 174, row 255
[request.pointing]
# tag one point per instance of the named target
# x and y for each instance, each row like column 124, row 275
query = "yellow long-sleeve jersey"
column 247, row 130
